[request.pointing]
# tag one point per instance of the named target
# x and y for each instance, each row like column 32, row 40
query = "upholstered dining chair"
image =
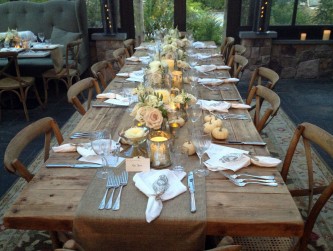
column 120, row 54
column 130, row 45
column 87, row 84
column 24, row 138
column 237, row 64
column 309, row 134
column 12, row 81
column 104, row 71
column 261, row 94
column 68, row 73
column 226, row 48
column 263, row 76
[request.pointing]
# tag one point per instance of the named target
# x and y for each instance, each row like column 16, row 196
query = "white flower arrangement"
column 11, row 35
column 185, row 98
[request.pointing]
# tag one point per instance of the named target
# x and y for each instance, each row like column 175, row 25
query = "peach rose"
column 153, row 118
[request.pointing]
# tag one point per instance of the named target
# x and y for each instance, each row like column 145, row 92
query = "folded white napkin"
column 135, row 78
column 202, row 45
column 138, row 74
column 217, row 152
column 230, row 80
column 141, row 48
column 138, row 59
column 210, row 81
column 240, row 106
column 144, row 182
column 234, row 162
column 123, row 102
column 202, row 56
column 211, row 67
column 110, row 95
column 64, row 148
column 210, row 105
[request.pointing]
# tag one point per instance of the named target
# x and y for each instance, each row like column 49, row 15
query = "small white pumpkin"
column 208, row 127
column 209, row 117
column 220, row 133
column 217, row 122
column 188, row 147
column 179, row 120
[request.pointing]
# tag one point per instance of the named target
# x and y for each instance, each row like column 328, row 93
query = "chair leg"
column 55, row 240
column 38, row 97
column 45, row 81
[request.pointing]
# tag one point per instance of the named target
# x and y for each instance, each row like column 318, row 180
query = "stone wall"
column 302, row 61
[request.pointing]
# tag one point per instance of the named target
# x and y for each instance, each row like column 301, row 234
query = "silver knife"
column 191, row 186
column 90, row 165
column 231, row 142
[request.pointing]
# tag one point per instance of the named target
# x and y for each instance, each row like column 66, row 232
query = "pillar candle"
column 303, row 36
column 326, row 34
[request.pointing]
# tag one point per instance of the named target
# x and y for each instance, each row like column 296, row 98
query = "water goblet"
column 41, row 36
column 179, row 157
column 194, row 112
column 201, row 142
column 101, row 144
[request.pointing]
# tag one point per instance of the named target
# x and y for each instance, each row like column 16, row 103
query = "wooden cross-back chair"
column 87, row 84
column 226, row 48
column 263, row 76
column 12, row 81
column 104, row 71
column 120, row 54
column 70, row 70
column 261, row 94
column 237, row 64
column 129, row 44
column 21, row 140
column 309, row 134
column 236, row 49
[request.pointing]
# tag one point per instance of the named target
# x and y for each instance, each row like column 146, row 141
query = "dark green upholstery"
column 67, row 15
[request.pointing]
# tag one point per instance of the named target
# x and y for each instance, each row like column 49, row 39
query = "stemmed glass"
column 194, row 112
column 41, row 36
column 201, row 142
column 101, row 144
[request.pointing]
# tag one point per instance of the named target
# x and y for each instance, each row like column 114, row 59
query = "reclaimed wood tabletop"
column 50, row 200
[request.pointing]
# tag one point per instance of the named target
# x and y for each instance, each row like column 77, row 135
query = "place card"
column 138, row 164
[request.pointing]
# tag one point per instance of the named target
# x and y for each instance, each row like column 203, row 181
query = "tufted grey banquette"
column 67, row 16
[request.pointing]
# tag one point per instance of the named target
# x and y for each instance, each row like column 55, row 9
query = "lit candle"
column 170, row 63
column 174, row 128
column 158, row 151
column 177, row 79
column 326, row 34
column 303, row 36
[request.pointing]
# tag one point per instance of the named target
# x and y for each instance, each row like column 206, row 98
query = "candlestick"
column 326, row 34
column 303, row 36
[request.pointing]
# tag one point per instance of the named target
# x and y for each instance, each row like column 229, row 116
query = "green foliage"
column 281, row 13
column 304, row 15
column 213, row 4
column 94, row 13
column 324, row 13
column 158, row 14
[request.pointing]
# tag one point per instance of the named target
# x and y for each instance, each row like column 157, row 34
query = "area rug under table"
column 277, row 135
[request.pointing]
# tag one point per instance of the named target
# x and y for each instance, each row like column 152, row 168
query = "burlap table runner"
column 57, row 59
column 175, row 229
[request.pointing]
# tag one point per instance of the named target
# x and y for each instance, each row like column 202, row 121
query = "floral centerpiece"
column 157, row 74
column 150, row 109
column 11, row 36
column 185, row 99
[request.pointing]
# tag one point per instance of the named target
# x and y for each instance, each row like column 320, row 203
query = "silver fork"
column 242, row 184
column 269, row 177
column 123, row 182
column 80, row 135
column 108, row 186
column 115, row 184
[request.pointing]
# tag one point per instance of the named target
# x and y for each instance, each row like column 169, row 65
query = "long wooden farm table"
column 50, row 200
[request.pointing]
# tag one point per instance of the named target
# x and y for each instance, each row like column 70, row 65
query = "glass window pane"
column 205, row 18
column 281, row 12
column 247, row 15
column 94, row 13
column 312, row 12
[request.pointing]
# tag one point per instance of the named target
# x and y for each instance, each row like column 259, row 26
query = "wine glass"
column 194, row 112
column 201, row 142
column 101, row 144
column 41, row 36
